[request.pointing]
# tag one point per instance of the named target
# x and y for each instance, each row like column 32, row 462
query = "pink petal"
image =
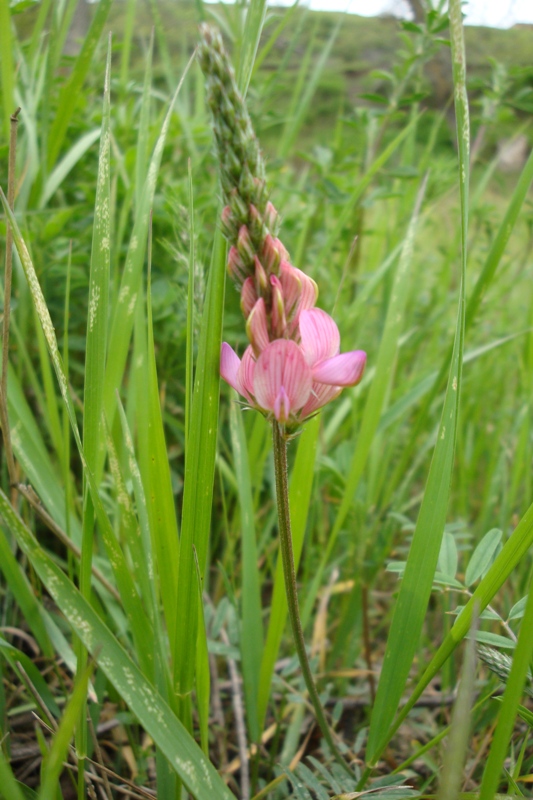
column 256, row 327
column 282, row 379
column 248, row 297
column 320, row 395
column 320, row 335
column 246, row 372
column 345, row 369
column 229, row 366
column 291, row 286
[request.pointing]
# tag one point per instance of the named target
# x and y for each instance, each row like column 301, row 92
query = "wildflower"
column 293, row 365
column 289, row 382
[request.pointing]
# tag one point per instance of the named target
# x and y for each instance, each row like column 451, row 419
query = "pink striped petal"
column 256, row 327
column 291, row 286
column 248, row 297
column 320, row 335
column 246, row 372
column 229, row 366
column 320, row 395
column 345, row 369
column 282, row 379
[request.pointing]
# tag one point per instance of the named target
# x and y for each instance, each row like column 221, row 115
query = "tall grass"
column 138, row 544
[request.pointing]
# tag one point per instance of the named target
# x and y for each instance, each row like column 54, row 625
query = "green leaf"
column 483, row 556
column 447, row 563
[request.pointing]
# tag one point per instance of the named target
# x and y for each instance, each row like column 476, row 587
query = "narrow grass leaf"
column 67, row 163
column 304, row 93
column 53, row 761
column 133, row 606
column 155, row 469
column 378, row 391
column 251, row 36
column 123, row 313
column 199, row 472
column 203, row 676
column 15, row 656
column 10, row 786
column 511, row 698
column 415, row 590
column 153, row 713
column 251, row 620
column 71, row 91
column 348, row 207
column 18, row 584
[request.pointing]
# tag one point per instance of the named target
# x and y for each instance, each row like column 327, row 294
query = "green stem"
column 285, row 537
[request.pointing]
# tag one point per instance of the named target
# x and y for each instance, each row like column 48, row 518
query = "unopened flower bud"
column 256, row 223
column 279, row 321
column 248, row 297
column 244, row 245
column 236, row 267
column 261, row 281
column 273, row 253
column 271, row 218
column 228, row 223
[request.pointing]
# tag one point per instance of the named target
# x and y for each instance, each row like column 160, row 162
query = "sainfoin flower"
column 290, row 381
column 293, row 365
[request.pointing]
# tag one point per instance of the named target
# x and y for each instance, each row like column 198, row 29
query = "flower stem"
column 285, row 536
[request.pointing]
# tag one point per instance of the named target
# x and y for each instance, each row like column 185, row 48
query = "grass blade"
column 511, row 699
column 251, row 36
column 71, row 91
column 153, row 713
column 415, row 590
column 378, row 392
column 199, row 474
column 123, row 315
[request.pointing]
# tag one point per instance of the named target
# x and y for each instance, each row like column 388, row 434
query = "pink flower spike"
column 257, row 328
column 248, row 297
column 282, row 379
column 320, row 335
column 345, row 369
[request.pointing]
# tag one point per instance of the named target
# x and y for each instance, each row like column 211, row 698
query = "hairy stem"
column 285, row 536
